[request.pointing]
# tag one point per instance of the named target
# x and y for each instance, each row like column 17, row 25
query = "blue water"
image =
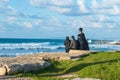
column 13, row 47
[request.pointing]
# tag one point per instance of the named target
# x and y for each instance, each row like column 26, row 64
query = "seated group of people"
column 79, row 44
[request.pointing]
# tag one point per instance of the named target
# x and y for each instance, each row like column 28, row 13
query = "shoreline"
column 43, row 53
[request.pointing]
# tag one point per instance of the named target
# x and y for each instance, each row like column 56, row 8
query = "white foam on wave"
column 26, row 46
column 107, row 46
column 15, row 49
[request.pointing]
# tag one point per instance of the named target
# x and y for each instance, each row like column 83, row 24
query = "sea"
column 15, row 47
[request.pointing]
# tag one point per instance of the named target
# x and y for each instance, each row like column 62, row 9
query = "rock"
column 79, row 52
column 35, row 66
column 114, row 43
column 94, row 52
column 64, row 58
column 19, row 64
column 27, row 67
column 2, row 71
column 14, row 68
column 34, row 62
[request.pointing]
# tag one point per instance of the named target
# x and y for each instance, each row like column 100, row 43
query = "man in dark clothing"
column 78, row 42
column 87, row 46
column 67, row 44
column 82, row 40
column 81, row 43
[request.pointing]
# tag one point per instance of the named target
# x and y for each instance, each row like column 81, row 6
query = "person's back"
column 82, row 40
column 73, row 44
column 67, row 44
column 86, row 45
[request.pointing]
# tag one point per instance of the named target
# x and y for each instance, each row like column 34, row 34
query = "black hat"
column 81, row 29
column 79, row 35
column 72, row 36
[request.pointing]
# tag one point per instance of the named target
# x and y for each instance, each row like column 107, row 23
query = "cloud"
column 39, row 3
column 104, row 3
column 2, row 2
column 27, row 25
column 11, row 11
column 99, row 13
column 7, row 10
column 60, row 9
column 65, row 7
column 105, row 7
column 5, row 0
column 2, row 29
column 82, row 6
column 11, row 20
column 59, row 6
column 37, row 22
column 52, row 22
column 61, row 2
column 47, row 3
column 115, row 10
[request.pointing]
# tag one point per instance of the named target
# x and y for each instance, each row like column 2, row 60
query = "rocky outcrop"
column 21, row 64
column 35, row 66
column 114, row 43
column 64, row 56
column 34, row 62
column 78, row 53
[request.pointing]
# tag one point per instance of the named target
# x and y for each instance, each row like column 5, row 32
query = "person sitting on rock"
column 67, row 44
column 73, row 44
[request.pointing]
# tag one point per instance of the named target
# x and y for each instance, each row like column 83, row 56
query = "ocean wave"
column 104, row 46
column 30, row 46
column 47, row 45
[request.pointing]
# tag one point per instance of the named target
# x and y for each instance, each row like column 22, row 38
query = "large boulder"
column 21, row 64
column 78, row 53
column 34, row 62
column 35, row 66
column 13, row 68
column 27, row 67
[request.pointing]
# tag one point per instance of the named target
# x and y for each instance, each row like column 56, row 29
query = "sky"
column 100, row 19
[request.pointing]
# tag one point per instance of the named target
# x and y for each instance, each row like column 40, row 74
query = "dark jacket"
column 83, row 42
column 82, row 38
column 67, row 43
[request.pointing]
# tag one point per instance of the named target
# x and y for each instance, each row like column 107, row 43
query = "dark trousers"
column 67, row 50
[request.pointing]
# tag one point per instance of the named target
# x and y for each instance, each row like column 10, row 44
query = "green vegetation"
column 103, row 65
